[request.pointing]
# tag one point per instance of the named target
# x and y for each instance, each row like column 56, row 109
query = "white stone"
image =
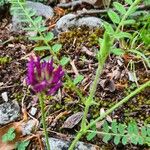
column 5, row 96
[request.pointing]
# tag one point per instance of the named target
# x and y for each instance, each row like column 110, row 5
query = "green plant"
column 4, row 60
column 22, row 145
column 9, row 136
column 107, row 45
column 122, row 133
column 28, row 16
column 120, row 19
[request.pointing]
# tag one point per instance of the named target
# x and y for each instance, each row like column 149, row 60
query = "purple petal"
column 40, row 86
column 57, row 75
column 30, row 75
column 38, row 66
column 50, row 67
column 54, row 88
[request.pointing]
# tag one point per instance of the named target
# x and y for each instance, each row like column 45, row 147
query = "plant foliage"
column 122, row 133
column 9, row 136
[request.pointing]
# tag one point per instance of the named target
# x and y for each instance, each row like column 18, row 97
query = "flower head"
column 43, row 77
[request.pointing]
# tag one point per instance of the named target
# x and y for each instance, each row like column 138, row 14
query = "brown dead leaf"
column 19, row 134
column 10, row 145
column 108, row 85
column 59, row 116
column 73, row 120
column 59, row 11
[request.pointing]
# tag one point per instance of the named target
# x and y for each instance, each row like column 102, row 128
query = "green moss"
column 4, row 60
column 79, row 37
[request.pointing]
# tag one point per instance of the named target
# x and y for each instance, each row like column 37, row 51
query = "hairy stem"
column 127, row 98
column 42, row 105
column 102, row 56
column 89, row 100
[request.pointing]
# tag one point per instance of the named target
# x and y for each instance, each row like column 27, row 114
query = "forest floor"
column 81, row 46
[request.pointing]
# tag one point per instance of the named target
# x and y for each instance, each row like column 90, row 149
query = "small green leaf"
column 148, row 131
column 105, row 127
column 91, row 135
column 135, row 128
column 129, row 2
column 140, row 140
column 64, row 61
column 121, row 35
column 130, row 128
column 30, row 12
column 41, row 48
column 134, row 139
column 78, row 79
column 49, row 36
column 56, row 47
column 9, row 136
column 147, row 139
column 132, row 10
column 36, row 38
column 121, row 128
column 108, row 28
column 127, row 22
column 42, row 29
column 143, row 131
column 22, row 145
column 117, row 51
column 120, row 8
column 117, row 139
column 106, row 138
column 114, row 17
column 114, row 126
column 124, row 140
column 38, row 20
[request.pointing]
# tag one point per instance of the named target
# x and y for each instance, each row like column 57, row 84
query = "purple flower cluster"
column 43, row 77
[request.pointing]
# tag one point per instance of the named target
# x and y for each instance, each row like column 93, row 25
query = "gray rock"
column 57, row 144
column 90, row 22
column 9, row 111
column 66, row 22
column 27, row 127
column 70, row 20
column 39, row 8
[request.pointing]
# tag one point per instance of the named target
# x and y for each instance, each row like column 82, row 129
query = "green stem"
column 42, row 105
column 80, row 134
column 89, row 101
column 138, row 90
column 74, row 88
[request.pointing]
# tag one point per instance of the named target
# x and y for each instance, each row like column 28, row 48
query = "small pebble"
column 33, row 111
column 5, row 96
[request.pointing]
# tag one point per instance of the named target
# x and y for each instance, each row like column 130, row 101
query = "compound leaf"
column 117, row 139
column 106, row 138
column 124, row 140
column 114, row 16
column 120, row 8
